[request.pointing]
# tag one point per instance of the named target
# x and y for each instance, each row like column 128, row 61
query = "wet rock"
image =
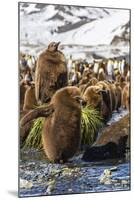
column 113, row 169
column 112, row 142
column 105, row 178
column 25, row 184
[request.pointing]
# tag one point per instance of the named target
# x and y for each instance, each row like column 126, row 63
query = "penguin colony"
column 104, row 85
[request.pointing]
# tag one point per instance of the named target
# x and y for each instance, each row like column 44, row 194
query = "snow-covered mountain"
column 81, row 30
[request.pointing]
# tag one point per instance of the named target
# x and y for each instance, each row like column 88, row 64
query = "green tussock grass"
column 91, row 122
column 34, row 138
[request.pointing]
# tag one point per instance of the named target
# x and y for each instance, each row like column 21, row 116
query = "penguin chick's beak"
column 57, row 44
column 80, row 100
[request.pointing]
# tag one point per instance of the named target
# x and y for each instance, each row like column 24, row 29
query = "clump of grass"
column 91, row 122
column 34, row 138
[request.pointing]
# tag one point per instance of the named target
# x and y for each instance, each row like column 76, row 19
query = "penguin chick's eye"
column 79, row 100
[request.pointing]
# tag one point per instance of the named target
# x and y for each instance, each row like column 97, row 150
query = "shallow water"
column 75, row 176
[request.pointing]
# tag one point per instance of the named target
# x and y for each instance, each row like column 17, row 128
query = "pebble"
column 70, row 190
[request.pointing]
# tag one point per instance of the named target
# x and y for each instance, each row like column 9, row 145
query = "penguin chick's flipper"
column 38, row 112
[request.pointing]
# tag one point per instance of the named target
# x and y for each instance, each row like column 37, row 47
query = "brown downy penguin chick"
column 50, row 74
column 118, row 77
column 126, row 97
column 121, row 80
column 105, row 109
column 82, row 88
column 94, row 81
column 84, row 80
column 112, row 88
column 61, row 131
column 22, row 88
column 29, row 103
column 118, row 95
column 86, row 77
column 105, row 86
column 97, row 98
column 91, row 82
column 93, row 97
column 29, row 99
